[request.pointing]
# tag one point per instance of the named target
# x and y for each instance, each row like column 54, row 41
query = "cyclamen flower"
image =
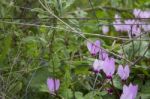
column 97, row 65
column 146, row 27
column 93, row 47
column 132, row 27
column 137, row 13
column 53, row 85
column 141, row 14
column 105, row 29
column 103, row 55
column 145, row 14
column 109, row 67
column 123, row 72
column 129, row 92
column 118, row 25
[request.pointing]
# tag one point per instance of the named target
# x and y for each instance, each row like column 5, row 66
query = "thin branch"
column 80, row 33
column 140, row 58
column 106, row 8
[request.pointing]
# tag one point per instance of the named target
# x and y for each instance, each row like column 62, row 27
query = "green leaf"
column 145, row 90
column 67, row 94
column 37, row 10
column 79, row 95
column 117, row 82
column 94, row 95
column 136, row 48
column 38, row 80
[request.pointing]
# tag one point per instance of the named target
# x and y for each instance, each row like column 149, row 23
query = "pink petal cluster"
column 129, row 92
column 93, row 47
column 107, row 64
column 134, row 27
column 137, row 13
column 141, row 14
column 118, row 25
column 103, row 54
column 104, row 62
column 123, row 72
column 53, row 85
column 109, row 67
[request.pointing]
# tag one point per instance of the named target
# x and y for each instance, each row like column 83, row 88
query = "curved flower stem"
column 116, row 92
column 103, row 84
column 95, row 81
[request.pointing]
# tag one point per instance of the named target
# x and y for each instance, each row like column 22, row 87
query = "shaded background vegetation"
column 36, row 45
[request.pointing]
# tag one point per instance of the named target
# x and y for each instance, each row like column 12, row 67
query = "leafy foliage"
column 47, row 38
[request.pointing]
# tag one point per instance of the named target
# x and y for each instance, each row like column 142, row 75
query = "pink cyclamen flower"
column 109, row 67
column 129, row 92
column 146, row 27
column 118, row 25
column 103, row 55
column 137, row 13
column 123, row 72
column 93, row 47
column 105, row 29
column 53, row 85
column 141, row 14
column 145, row 14
column 97, row 65
column 133, row 27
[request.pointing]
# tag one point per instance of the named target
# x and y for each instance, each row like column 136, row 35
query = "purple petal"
column 97, row 65
column 133, row 90
column 137, row 13
column 126, row 93
column 123, row 72
column 103, row 54
column 97, row 46
column 57, row 84
column 127, row 71
column 120, row 71
column 126, row 96
column 105, row 29
column 97, row 43
column 93, row 47
column 53, row 85
column 89, row 46
column 129, row 91
column 109, row 67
